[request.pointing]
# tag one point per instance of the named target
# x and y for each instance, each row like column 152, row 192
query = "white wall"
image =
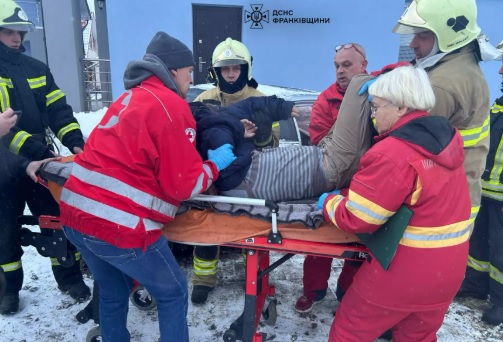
column 296, row 55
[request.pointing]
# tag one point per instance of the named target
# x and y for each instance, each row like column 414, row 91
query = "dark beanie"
column 172, row 52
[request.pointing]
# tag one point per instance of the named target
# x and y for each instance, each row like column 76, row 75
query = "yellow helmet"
column 13, row 17
column 454, row 22
column 231, row 52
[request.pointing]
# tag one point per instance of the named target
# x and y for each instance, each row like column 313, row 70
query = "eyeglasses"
column 349, row 46
column 374, row 108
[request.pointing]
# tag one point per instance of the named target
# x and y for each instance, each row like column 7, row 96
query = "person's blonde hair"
column 405, row 86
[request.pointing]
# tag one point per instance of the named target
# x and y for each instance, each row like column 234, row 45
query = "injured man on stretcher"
column 284, row 173
column 278, row 174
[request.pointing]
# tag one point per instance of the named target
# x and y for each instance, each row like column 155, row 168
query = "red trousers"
column 357, row 320
column 317, row 271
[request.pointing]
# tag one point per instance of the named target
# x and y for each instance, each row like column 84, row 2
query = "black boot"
column 10, row 304
column 78, row 291
column 200, row 294
column 493, row 315
column 465, row 292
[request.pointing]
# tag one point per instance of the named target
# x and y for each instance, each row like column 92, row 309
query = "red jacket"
column 324, row 112
column 138, row 164
column 419, row 163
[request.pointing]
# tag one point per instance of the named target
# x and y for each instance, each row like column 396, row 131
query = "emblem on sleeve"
column 191, row 134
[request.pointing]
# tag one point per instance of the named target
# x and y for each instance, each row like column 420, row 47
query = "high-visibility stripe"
column 205, row 267
column 275, row 124
column 120, row 188
column 474, row 211
column 198, row 188
column 18, row 141
column 332, row 205
column 37, row 82
column 11, row 267
column 4, row 96
column 6, row 82
column 494, row 195
column 479, row 265
column 434, row 237
column 474, row 135
column 55, row 262
column 71, row 127
column 496, row 274
column 366, row 210
column 100, row 210
column 496, row 108
column 53, row 96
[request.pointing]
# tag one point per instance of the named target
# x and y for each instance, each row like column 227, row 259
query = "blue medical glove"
column 322, row 198
column 365, row 87
column 222, row 156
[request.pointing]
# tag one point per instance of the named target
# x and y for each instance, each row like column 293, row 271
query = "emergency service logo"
column 191, row 134
column 256, row 16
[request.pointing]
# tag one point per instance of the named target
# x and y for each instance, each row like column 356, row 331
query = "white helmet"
column 231, row 52
column 454, row 22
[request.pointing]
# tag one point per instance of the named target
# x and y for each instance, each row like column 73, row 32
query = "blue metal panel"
column 289, row 54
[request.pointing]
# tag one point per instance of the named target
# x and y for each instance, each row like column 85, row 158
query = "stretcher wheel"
column 270, row 314
column 83, row 316
column 94, row 335
column 142, row 299
column 24, row 236
column 230, row 335
column 68, row 260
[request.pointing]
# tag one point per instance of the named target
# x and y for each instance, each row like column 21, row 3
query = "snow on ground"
column 47, row 315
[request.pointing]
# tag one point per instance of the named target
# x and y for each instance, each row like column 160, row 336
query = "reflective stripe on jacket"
column 139, row 164
column 402, row 168
column 462, row 96
column 43, row 105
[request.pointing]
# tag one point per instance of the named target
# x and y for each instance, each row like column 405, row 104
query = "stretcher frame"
column 258, row 293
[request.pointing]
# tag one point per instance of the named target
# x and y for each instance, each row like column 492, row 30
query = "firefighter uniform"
column 484, row 273
column 27, row 84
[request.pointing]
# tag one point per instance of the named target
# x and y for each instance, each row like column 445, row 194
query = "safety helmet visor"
column 22, row 27
column 227, row 62
column 410, row 22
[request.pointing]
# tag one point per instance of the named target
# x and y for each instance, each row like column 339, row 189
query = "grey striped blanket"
column 299, row 211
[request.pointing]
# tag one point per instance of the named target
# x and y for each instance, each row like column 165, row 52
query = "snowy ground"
column 47, row 315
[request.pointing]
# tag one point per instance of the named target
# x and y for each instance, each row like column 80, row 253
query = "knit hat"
column 172, row 52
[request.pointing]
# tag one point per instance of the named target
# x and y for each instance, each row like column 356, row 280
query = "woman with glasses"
column 417, row 162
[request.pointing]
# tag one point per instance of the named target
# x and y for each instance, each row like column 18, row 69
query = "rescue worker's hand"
column 365, row 87
column 34, row 166
column 77, row 150
column 7, row 121
column 222, row 156
column 250, row 128
column 323, row 197
column 295, row 112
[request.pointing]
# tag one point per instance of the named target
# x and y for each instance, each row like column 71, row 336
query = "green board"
column 384, row 242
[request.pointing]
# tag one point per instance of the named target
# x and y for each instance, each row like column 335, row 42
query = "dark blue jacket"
column 221, row 125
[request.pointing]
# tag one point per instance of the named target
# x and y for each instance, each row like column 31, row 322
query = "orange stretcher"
column 258, row 238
